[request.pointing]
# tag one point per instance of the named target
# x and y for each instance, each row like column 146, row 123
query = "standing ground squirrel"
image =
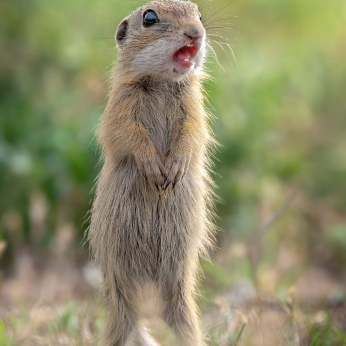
column 151, row 218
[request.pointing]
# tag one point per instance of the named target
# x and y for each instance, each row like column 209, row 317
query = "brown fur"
column 147, row 241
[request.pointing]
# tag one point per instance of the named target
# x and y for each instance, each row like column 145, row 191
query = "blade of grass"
column 3, row 336
column 2, row 333
column 314, row 340
column 239, row 335
column 340, row 335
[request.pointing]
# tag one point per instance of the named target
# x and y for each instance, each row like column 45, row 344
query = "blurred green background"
column 281, row 122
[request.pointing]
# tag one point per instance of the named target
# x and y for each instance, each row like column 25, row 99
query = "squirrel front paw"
column 152, row 169
column 175, row 169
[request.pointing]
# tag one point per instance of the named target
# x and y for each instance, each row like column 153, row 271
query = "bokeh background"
column 277, row 276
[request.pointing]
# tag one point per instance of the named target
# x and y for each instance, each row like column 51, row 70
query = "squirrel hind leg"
column 116, row 333
column 182, row 316
column 120, row 321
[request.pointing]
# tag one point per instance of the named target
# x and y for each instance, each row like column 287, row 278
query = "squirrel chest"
column 161, row 112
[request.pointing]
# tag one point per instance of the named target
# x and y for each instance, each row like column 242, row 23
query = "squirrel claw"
column 175, row 183
column 167, row 184
column 158, row 187
column 175, row 170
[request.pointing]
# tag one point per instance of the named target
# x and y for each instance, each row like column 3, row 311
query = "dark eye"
column 200, row 16
column 150, row 18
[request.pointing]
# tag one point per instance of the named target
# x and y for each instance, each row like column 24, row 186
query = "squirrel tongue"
column 186, row 53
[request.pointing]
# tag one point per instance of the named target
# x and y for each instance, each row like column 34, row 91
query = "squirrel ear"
column 120, row 35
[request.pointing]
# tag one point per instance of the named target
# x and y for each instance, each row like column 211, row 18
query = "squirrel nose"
column 193, row 33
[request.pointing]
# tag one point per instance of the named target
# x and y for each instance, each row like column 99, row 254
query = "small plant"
column 4, row 341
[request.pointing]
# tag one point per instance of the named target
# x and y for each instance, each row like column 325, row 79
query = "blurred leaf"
column 3, row 336
column 340, row 335
column 314, row 340
column 4, row 341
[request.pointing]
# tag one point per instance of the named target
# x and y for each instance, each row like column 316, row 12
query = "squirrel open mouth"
column 185, row 55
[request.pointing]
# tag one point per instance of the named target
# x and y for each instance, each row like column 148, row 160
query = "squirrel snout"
column 193, row 33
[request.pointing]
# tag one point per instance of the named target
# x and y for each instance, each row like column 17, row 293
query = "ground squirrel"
column 151, row 218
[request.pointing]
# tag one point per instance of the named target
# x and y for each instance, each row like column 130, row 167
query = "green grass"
column 5, row 340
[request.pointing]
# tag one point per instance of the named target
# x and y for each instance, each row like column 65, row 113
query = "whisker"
column 221, row 9
column 221, row 44
column 230, row 25
column 222, row 27
column 212, row 37
column 231, row 50
column 198, row 3
column 216, row 20
column 206, row 15
column 225, row 16
column 209, row 46
column 107, row 17
column 204, row 5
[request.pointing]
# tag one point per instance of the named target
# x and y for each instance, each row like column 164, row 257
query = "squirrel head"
column 162, row 39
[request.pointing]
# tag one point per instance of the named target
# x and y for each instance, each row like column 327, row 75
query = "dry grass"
column 245, row 302
column 255, row 323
